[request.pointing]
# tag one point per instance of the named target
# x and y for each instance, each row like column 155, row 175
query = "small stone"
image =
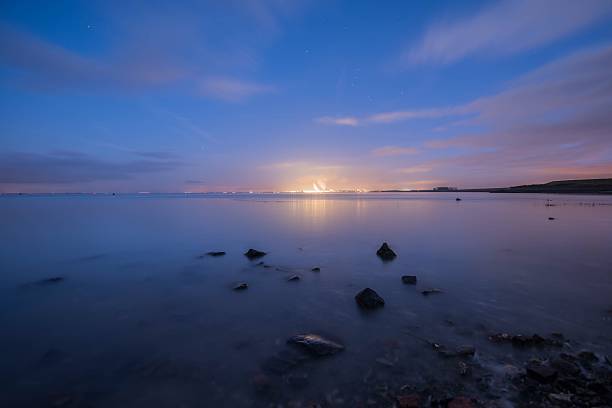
column 369, row 299
column 464, row 369
column 241, row 286
column 457, row 199
column 587, row 356
column 561, row 397
column 385, row 253
column 51, row 281
column 541, row 372
column 316, row 344
column 293, row 278
column 551, row 218
column 466, row 350
column 254, row 254
column 564, row 366
column 432, row 291
column 460, row 402
column 316, row 269
column 409, row 401
column 409, row 279
column 385, row 362
column 215, row 253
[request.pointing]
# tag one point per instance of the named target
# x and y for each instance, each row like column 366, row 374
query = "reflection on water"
column 141, row 320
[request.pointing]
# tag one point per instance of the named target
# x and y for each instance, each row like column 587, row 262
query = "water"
column 141, row 321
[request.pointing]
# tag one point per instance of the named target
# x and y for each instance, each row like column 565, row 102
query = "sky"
column 247, row 95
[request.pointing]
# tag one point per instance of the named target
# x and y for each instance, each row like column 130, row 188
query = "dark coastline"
column 590, row 186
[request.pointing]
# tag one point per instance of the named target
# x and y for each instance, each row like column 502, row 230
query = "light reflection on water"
column 140, row 320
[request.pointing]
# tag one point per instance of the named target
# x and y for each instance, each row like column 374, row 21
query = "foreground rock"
column 369, row 299
column 316, row 344
column 316, row 269
column 385, row 253
column 254, row 254
column 409, row 279
column 241, row 286
column 518, row 340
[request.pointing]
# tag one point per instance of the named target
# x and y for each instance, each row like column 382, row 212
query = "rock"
column 551, row 218
column 519, row 340
column 587, row 356
column 460, row 402
column 464, row 369
column 369, row 299
column 565, row 366
column 466, row 351
column 316, row 269
column 385, row 362
column 409, row 279
column 457, row 199
column 385, row 253
column 254, row 254
column 540, row 372
column 241, row 286
column 560, row 397
column 409, row 401
column 316, row 344
column 432, row 291
column 293, row 278
column 215, row 253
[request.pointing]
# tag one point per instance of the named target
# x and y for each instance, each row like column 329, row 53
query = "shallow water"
column 141, row 321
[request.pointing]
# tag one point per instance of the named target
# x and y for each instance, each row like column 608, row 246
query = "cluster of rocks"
column 518, row 340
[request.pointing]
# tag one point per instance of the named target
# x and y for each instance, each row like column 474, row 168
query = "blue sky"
column 278, row 95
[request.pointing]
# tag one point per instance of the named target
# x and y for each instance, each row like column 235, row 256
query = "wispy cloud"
column 233, row 90
column 393, row 151
column 72, row 167
column 415, row 169
column 339, row 121
column 506, row 27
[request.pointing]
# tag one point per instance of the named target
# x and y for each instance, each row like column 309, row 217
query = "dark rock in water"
column 315, row 344
column 460, row 402
column 241, row 286
column 293, row 278
column 540, row 372
column 215, row 253
column 254, row 254
column 565, row 366
column 551, row 218
column 587, row 356
column 457, row 199
column 518, row 340
column 385, row 253
column 432, row 291
column 409, row 401
column 466, row 350
column 316, row 269
column 409, row 279
column 369, row 299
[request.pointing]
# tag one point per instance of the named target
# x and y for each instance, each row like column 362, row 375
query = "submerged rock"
column 241, row 286
column 254, row 254
column 409, row 279
column 518, row 340
column 457, row 199
column 551, row 218
column 369, row 299
column 316, row 344
column 316, row 269
column 385, row 253
column 432, row 291
column 215, row 253
column 541, row 372
column 293, row 278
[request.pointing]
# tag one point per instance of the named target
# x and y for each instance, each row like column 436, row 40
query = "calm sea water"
column 141, row 321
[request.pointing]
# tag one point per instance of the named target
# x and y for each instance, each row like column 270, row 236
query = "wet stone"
column 551, row 218
column 215, row 253
column 432, row 291
column 254, row 254
column 409, row 279
column 293, row 278
column 457, row 199
column 316, row 269
column 241, row 286
column 541, row 372
column 316, row 344
column 587, row 356
column 385, row 252
column 51, row 281
column 369, row 299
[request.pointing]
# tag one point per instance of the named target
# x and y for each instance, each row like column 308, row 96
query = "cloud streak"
column 505, row 28
column 393, row 151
